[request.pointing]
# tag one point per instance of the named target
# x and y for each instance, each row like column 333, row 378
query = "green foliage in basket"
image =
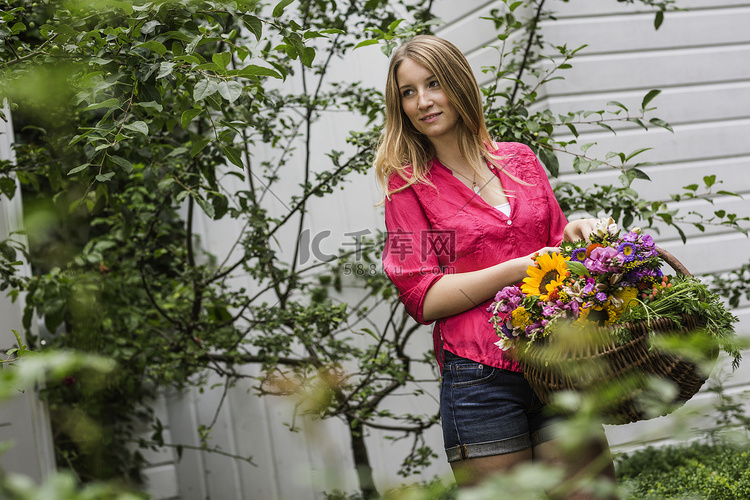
column 686, row 295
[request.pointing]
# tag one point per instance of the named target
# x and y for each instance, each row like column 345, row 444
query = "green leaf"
column 109, row 103
column 658, row 19
column 105, row 177
column 605, row 126
column 230, row 91
column 365, row 43
column 683, row 237
column 165, row 69
column 254, row 24
column 649, row 97
column 279, row 9
column 193, row 44
column 207, row 207
column 640, row 174
column 392, row 27
column 17, row 28
column 198, row 145
column 550, row 161
column 222, row 60
column 661, row 123
column 618, row 104
column 728, row 193
column 636, row 153
column 203, row 89
column 153, row 46
column 188, row 115
column 150, row 104
column 79, row 168
column 122, row 162
column 307, row 56
column 7, row 188
column 139, row 126
column 254, row 70
column 233, row 154
column 709, row 180
column 577, row 268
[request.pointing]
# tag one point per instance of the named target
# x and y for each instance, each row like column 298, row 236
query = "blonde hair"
column 405, row 151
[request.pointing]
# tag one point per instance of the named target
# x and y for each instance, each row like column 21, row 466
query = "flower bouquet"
column 588, row 316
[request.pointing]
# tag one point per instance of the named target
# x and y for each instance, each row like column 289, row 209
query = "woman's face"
column 424, row 102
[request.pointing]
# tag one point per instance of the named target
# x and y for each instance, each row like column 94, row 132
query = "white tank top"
column 504, row 208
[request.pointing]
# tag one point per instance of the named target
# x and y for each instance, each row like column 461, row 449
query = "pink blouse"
column 446, row 228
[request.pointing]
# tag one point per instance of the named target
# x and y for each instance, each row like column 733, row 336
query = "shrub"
column 697, row 470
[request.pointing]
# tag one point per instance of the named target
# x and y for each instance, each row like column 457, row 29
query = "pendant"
column 476, row 188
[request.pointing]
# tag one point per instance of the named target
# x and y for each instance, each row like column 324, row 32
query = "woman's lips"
column 431, row 118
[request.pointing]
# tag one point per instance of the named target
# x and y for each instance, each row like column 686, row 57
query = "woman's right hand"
column 545, row 250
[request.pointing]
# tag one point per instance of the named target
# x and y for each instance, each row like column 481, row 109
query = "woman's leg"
column 472, row 471
column 591, row 460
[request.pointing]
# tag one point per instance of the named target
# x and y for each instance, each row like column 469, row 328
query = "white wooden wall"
column 699, row 58
column 23, row 419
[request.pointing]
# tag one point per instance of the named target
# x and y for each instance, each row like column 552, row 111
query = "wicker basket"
column 598, row 361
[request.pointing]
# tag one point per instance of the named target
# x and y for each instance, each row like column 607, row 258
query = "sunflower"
column 546, row 276
column 593, row 316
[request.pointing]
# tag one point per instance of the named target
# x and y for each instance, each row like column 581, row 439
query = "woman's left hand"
column 579, row 229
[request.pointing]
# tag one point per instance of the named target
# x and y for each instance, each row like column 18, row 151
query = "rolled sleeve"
column 407, row 260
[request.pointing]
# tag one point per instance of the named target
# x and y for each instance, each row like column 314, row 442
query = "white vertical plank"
column 706, row 94
column 24, row 419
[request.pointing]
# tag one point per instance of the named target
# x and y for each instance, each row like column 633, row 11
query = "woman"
column 464, row 218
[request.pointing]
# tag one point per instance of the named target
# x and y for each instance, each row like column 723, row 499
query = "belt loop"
column 464, row 452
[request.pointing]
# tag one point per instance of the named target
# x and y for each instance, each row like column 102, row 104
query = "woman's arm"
column 456, row 293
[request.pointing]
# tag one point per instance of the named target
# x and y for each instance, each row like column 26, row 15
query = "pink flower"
column 602, row 260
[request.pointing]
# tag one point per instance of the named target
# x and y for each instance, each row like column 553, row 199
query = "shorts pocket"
column 469, row 374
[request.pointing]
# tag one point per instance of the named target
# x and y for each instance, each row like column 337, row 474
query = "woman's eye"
column 406, row 93
column 434, row 83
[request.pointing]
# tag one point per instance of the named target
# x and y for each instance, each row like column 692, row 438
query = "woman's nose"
column 424, row 101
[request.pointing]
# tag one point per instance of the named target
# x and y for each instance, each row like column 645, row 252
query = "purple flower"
column 631, row 237
column 550, row 310
column 508, row 332
column 579, row 255
column 574, row 307
column 627, row 251
column 601, row 296
column 510, row 294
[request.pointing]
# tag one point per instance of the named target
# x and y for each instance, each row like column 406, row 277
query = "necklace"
column 473, row 181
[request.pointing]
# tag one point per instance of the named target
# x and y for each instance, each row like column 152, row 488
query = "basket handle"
column 672, row 261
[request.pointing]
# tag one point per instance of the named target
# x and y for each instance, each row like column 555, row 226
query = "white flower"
column 607, row 225
column 503, row 344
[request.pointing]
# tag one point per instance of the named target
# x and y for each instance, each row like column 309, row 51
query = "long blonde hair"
column 405, row 151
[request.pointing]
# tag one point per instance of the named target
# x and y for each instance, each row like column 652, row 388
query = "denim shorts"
column 488, row 411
